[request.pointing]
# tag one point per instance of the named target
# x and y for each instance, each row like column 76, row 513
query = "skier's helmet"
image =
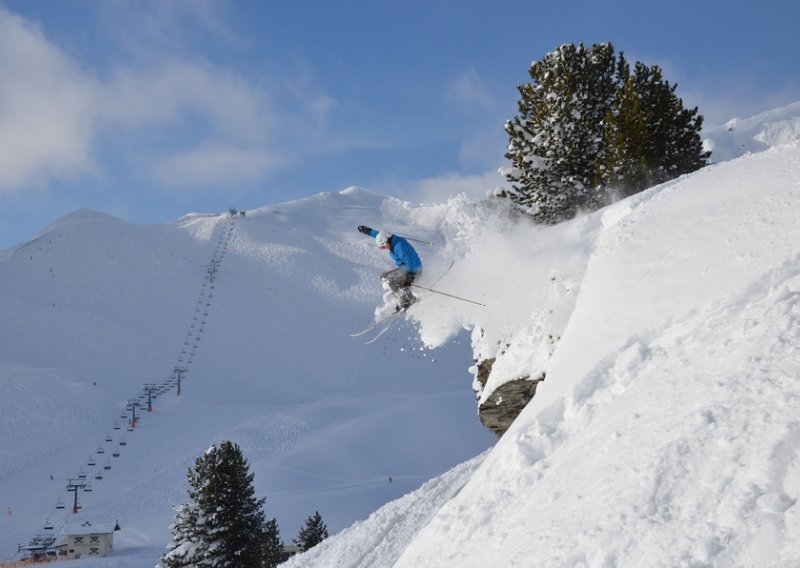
column 383, row 239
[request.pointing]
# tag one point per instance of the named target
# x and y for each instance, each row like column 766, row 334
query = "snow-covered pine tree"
column 312, row 533
column 273, row 545
column 555, row 140
column 586, row 124
column 224, row 525
column 184, row 549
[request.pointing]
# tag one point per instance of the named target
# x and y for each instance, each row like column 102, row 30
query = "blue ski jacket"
column 402, row 253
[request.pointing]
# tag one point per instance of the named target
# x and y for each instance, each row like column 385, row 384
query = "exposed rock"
column 484, row 368
column 505, row 404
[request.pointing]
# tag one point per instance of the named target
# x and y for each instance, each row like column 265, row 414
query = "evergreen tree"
column 625, row 162
column 273, row 545
column 312, row 533
column 555, row 140
column 650, row 137
column 224, row 525
column 184, row 549
column 587, row 124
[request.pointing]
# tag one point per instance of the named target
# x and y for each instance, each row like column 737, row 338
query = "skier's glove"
column 363, row 229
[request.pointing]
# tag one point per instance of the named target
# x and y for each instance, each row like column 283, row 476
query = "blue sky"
column 155, row 108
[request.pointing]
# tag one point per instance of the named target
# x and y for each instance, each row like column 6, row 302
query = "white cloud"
column 53, row 114
column 177, row 91
column 45, row 108
column 468, row 91
column 214, row 166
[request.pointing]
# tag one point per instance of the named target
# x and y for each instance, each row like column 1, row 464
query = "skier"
column 407, row 262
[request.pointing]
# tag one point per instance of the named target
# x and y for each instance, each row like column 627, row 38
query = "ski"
column 390, row 321
column 377, row 324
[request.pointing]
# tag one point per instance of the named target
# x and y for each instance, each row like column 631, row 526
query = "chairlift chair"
column 60, row 505
column 107, row 466
column 109, row 438
column 98, row 475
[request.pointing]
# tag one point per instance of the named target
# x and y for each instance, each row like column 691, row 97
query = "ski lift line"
column 81, row 481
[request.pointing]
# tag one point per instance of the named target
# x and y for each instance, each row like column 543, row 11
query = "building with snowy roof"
column 89, row 539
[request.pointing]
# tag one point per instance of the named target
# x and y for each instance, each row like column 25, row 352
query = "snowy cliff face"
column 665, row 432
column 530, row 277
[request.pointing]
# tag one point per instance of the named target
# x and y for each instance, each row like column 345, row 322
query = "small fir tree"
column 224, row 525
column 273, row 545
column 312, row 533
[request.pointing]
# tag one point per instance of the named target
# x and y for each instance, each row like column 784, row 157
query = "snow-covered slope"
column 666, row 432
column 741, row 136
column 95, row 308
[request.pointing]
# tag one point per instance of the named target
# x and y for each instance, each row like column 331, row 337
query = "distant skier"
column 406, row 259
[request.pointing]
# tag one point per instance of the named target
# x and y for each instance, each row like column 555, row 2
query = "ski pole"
column 448, row 295
column 429, row 243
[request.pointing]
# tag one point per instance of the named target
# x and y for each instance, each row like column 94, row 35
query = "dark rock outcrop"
column 505, row 404
column 507, row 401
